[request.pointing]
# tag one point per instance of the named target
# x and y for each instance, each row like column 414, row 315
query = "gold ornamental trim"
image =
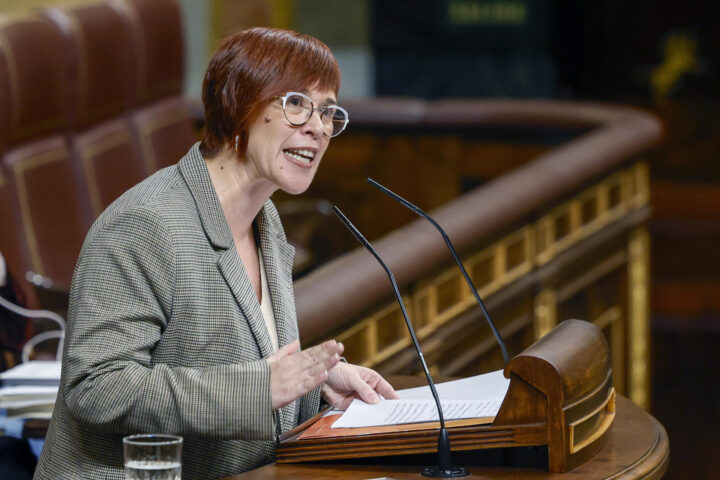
column 435, row 300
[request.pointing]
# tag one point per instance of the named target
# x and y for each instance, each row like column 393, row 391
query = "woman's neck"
column 241, row 194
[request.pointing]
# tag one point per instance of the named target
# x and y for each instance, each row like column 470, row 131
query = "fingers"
column 339, row 400
column 377, row 384
column 293, row 373
column 385, row 389
column 352, row 381
column 356, row 380
column 288, row 349
column 332, row 397
column 322, row 357
column 365, row 392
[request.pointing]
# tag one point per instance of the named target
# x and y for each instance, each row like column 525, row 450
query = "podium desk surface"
column 637, row 446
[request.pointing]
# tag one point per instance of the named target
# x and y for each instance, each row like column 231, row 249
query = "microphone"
column 449, row 244
column 444, row 469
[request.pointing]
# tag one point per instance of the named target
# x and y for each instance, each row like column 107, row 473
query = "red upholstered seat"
column 99, row 60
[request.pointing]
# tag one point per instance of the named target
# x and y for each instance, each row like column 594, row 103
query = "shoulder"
column 141, row 231
column 153, row 204
column 131, row 248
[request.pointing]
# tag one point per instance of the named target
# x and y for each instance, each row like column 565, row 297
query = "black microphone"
column 449, row 244
column 444, row 469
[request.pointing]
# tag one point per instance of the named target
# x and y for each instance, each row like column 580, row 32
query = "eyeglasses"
column 298, row 109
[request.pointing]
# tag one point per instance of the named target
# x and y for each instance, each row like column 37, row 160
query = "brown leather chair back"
column 108, row 163
column 165, row 132
column 162, row 121
column 33, row 82
column 158, row 42
column 91, row 104
column 42, row 194
column 100, row 60
column 107, row 158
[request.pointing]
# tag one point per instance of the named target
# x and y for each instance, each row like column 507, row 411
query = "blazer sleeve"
column 121, row 298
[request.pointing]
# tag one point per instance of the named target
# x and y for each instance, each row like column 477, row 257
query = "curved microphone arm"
column 390, row 275
column 449, row 244
column 444, row 468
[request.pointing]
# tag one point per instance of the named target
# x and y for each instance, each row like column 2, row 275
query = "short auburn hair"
column 248, row 70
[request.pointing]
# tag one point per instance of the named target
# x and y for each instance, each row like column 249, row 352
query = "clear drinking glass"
column 153, row 457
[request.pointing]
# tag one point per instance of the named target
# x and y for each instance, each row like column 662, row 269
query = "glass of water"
column 152, row 457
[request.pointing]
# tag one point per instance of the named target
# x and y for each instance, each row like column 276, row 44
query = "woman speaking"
column 182, row 317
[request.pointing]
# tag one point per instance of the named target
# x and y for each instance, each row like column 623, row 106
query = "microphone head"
column 348, row 224
column 406, row 203
column 382, row 188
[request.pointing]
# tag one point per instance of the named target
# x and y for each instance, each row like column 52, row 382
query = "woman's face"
column 287, row 156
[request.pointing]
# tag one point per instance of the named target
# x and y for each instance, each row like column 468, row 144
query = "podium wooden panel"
column 637, row 446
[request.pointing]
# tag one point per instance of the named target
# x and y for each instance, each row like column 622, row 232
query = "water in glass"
column 152, row 470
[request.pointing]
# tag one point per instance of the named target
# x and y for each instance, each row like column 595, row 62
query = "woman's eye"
column 295, row 101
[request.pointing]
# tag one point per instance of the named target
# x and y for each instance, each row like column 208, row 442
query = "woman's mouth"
column 300, row 154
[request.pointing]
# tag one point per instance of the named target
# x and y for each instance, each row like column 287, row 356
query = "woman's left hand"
column 347, row 382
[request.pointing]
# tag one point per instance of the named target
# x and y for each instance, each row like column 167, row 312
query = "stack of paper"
column 475, row 397
column 29, row 390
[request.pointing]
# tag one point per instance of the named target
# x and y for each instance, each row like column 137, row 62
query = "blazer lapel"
column 234, row 273
column 195, row 173
column 278, row 259
column 193, row 169
column 277, row 256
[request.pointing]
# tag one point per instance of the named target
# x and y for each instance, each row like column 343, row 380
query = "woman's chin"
column 295, row 183
column 296, row 189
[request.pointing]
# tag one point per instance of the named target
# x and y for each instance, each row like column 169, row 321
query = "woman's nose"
column 314, row 124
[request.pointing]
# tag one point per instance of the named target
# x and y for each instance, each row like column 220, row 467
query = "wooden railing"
column 560, row 236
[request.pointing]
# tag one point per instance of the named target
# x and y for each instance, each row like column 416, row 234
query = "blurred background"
column 661, row 56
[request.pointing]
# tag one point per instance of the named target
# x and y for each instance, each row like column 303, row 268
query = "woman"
column 182, row 316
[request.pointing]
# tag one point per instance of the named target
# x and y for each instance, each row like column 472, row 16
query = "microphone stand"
column 444, row 469
column 427, row 217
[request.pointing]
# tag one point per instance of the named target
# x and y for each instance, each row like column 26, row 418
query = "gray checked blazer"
column 165, row 335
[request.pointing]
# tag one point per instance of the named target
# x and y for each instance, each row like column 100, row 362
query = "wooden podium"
column 636, row 446
column 560, row 407
column 560, row 398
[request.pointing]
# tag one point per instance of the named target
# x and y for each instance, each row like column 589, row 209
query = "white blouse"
column 266, row 305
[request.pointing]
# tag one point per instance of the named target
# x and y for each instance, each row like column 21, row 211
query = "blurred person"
column 182, row 317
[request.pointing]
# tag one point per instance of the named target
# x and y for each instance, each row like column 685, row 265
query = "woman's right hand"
column 293, row 373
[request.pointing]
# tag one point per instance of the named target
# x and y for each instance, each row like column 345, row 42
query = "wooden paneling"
column 455, row 338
